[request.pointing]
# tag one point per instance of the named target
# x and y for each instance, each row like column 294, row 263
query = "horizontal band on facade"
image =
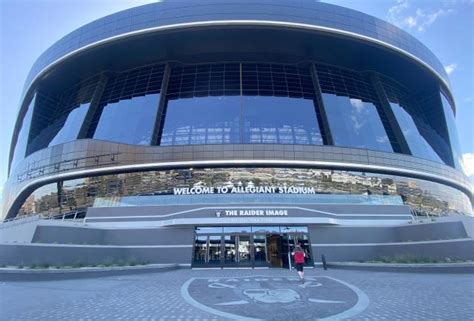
column 370, row 221
column 393, row 243
column 90, row 218
column 241, row 162
column 106, row 246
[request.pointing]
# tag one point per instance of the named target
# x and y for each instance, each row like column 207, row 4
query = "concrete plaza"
column 269, row 294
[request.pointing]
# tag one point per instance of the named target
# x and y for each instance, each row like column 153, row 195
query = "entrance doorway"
column 274, row 242
column 249, row 246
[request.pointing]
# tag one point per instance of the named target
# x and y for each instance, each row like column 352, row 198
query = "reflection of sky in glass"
column 216, row 120
column 129, row 121
column 20, row 147
column 355, row 123
column 280, row 120
column 453, row 133
column 202, row 120
column 418, row 145
column 71, row 126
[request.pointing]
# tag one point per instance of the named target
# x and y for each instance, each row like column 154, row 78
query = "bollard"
column 323, row 259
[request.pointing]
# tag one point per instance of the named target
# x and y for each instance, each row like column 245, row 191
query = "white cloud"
column 399, row 7
column 450, row 68
column 358, row 104
column 395, row 11
column 419, row 20
column 427, row 19
column 410, row 22
column 469, row 99
column 468, row 160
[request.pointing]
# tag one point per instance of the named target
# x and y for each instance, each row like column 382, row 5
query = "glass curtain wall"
column 412, row 121
column 22, row 140
column 72, row 125
column 59, row 117
column 240, row 103
column 453, row 134
column 156, row 187
column 44, row 201
column 128, row 107
column 354, row 112
column 232, row 103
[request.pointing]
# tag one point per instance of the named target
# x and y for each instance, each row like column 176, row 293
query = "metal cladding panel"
column 158, row 15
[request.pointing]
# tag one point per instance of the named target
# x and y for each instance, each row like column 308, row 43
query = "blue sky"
column 28, row 27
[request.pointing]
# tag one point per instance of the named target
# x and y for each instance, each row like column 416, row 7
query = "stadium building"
column 222, row 133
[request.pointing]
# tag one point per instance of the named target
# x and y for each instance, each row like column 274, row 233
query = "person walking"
column 299, row 256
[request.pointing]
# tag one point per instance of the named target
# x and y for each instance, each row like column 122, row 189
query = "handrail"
column 65, row 165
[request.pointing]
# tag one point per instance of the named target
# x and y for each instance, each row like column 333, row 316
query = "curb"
column 405, row 268
column 20, row 275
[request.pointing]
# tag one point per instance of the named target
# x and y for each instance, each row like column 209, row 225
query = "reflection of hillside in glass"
column 79, row 194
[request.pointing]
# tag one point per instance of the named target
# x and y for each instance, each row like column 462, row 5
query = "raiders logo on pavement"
column 275, row 298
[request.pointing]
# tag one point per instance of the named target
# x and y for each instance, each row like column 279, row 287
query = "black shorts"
column 299, row 267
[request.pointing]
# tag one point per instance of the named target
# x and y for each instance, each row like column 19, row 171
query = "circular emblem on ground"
column 275, row 298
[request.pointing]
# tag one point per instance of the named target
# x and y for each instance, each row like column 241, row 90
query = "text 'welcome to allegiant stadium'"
column 244, row 190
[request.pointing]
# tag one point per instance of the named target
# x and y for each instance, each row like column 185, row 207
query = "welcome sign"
column 197, row 190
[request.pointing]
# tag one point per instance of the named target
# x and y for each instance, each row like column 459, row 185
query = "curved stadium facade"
column 223, row 133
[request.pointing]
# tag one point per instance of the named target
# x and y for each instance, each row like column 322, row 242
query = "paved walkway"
column 244, row 295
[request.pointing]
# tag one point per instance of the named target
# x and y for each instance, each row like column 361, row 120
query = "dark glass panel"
column 200, row 249
column 58, row 117
column 22, row 140
column 230, row 254
column 418, row 145
column 45, row 121
column 71, row 125
column 418, row 116
column 453, row 133
column 355, row 123
column 214, row 248
column 202, row 120
column 128, row 104
column 260, row 248
column 129, row 121
column 429, row 119
column 280, row 120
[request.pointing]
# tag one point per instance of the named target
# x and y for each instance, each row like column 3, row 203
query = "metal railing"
column 68, row 164
column 78, row 215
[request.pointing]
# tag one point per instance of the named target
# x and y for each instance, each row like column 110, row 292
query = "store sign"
column 251, row 212
column 249, row 189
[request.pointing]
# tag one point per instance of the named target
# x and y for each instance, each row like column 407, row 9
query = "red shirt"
column 299, row 257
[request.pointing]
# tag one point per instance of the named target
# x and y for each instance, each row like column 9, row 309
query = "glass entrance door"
column 275, row 250
column 260, row 249
column 200, row 250
column 249, row 246
column 214, row 256
column 244, row 250
column 230, row 251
